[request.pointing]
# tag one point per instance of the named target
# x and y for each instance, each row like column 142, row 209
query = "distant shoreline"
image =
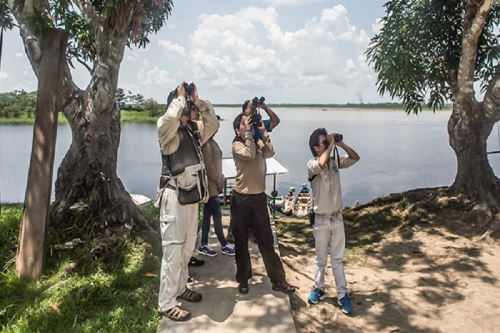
column 144, row 117
column 369, row 106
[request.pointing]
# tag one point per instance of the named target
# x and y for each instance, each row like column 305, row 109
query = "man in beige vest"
column 182, row 187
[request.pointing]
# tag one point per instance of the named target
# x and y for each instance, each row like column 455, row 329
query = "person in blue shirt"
column 270, row 123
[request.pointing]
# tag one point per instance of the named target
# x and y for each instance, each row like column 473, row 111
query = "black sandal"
column 190, row 296
column 176, row 314
column 195, row 262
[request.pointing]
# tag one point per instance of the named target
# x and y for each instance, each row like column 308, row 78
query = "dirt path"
column 414, row 279
column 223, row 309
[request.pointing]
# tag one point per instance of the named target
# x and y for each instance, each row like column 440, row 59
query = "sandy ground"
column 430, row 280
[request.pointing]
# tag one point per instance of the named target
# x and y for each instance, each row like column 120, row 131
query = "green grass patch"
column 126, row 117
column 117, row 296
column 138, row 117
column 26, row 120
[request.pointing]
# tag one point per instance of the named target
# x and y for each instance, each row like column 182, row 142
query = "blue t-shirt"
column 267, row 125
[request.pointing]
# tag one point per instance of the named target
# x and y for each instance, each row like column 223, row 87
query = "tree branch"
column 474, row 21
column 491, row 100
column 88, row 13
column 23, row 12
column 84, row 64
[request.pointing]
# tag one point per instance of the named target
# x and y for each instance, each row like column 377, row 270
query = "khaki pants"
column 178, row 225
column 329, row 236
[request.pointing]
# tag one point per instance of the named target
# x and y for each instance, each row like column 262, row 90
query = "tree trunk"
column 30, row 250
column 475, row 177
column 90, row 197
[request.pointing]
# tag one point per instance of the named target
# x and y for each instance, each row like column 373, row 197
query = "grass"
column 25, row 120
column 115, row 296
column 138, row 117
column 126, row 117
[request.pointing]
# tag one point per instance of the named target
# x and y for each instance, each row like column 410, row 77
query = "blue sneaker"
column 345, row 303
column 206, row 251
column 315, row 296
column 228, row 250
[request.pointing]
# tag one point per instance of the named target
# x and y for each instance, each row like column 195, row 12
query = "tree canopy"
column 81, row 19
column 417, row 53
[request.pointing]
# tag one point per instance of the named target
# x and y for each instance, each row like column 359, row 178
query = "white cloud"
column 292, row 2
column 154, row 77
column 139, row 57
column 168, row 48
column 248, row 51
column 4, row 76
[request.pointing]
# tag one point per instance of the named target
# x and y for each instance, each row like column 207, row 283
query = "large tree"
column 89, row 196
column 433, row 51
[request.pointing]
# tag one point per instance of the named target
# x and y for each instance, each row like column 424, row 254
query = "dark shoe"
column 190, row 296
column 176, row 313
column 243, row 287
column 196, row 262
column 206, row 251
column 228, row 250
column 284, row 287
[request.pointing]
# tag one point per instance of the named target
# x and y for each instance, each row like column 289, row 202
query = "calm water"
column 398, row 152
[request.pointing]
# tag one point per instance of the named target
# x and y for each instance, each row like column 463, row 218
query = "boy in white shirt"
column 328, row 226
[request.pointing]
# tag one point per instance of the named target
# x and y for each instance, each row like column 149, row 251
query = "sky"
column 290, row 51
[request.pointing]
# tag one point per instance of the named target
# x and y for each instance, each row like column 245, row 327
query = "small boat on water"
column 303, row 202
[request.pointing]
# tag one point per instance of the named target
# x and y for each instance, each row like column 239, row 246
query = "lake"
column 398, row 152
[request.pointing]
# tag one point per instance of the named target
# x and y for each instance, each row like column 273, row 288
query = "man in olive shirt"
column 249, row 205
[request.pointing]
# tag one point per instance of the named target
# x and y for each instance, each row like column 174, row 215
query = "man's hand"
column 181, row 91
column 262, row 128
column 330, row 139
column 248, row 123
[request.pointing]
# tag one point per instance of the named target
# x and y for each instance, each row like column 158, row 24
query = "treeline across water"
column 19, row 106
column 372, row 106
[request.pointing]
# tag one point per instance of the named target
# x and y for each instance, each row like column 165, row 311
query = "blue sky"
column 298, row 51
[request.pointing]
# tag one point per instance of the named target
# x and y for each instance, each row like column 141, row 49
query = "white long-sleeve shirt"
column 325, row 187
column 169, row 122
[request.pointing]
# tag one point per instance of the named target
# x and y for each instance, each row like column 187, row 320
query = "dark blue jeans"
column 212, row 208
